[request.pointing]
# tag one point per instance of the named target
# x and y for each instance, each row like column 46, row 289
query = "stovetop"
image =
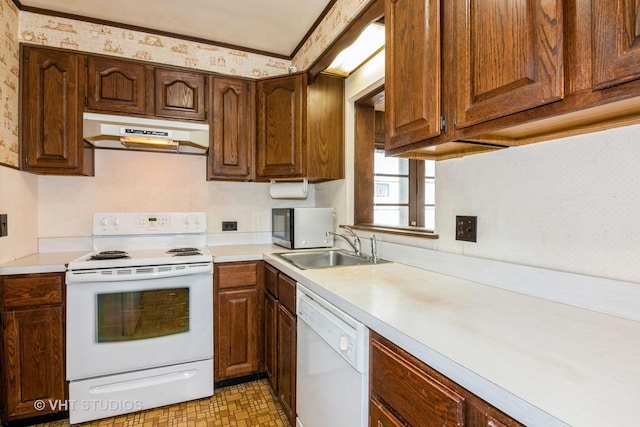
column 136, row 258
column 134, row 239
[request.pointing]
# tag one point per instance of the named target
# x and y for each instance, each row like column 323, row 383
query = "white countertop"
column 234, row 253
column 49, row 262
column 54, row 262
column 542, row 362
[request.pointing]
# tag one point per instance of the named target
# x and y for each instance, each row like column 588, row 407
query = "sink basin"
column 326, row 258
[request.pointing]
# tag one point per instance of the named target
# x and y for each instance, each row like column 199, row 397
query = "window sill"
column 398, row 231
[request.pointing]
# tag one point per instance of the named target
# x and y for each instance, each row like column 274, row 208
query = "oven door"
column 126, row 325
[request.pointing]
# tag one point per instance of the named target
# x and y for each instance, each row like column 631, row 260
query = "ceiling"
column 274, row 27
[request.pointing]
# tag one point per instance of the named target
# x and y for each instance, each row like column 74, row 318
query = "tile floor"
column 244, row 405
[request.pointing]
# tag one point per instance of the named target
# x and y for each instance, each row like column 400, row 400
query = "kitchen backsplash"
column 138, row 181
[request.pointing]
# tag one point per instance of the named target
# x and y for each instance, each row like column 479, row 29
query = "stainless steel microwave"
column 301, row 228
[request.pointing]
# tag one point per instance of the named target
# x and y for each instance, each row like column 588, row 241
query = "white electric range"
column 139, row 321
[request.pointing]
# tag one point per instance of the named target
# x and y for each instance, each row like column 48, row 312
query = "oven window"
column 129, row 316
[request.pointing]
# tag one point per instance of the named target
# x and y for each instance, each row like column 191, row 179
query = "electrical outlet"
column 4, row 225
column 466, row 228
column 229, row 225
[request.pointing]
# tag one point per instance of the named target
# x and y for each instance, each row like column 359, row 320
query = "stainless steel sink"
column 325, row 258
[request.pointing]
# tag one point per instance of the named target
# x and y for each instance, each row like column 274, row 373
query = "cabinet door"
column 616, row 36
column 233, row 130
column 287, row 340
column 51, row 116
column 180, row 94
column 33, row 361
column 412, row 71
column 509, row 57
column 281, row 117
column 271, row 340
column 115, row 86
column 325, row 128
column 237, row 329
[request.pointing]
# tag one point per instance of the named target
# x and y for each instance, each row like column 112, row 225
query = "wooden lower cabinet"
column 237, row 319
column 406, row 392
column 270, row 338
column 281, row 338
column 32, row 344
column 287, row 335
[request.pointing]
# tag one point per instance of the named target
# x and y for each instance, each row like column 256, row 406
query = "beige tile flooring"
column 244, row 405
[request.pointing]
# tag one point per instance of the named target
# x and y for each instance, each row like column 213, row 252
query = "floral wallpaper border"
column 109, row 40
column 9, row 82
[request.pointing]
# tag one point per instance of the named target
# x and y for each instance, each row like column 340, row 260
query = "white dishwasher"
column 332, row 365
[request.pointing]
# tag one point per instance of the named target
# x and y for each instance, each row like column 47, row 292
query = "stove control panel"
column 153, row 222
column 125, row 223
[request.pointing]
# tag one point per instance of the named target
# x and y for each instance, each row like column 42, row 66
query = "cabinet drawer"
column 32, row 290
column 381, row 416
column 432, row 403
column 287, row 292
column 236, row 275
column 271, row 280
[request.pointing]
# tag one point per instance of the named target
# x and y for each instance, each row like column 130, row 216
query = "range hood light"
column 149, row 142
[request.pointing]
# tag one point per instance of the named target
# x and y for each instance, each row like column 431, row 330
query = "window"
column 391, row 193
column 404, row 191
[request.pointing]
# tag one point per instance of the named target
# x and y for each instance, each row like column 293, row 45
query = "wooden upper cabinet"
column 231, row 154
column 324, row 146
column 180, row 94
column 115, row 85
column 51, row 113
column 509, row 57
column 300, row 128
column 281, row 117
column 616, row 42
column 412, row 71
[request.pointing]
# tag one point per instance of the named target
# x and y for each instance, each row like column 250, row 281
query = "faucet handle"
column 349, row 230
column 374, row 248
column 351, row 233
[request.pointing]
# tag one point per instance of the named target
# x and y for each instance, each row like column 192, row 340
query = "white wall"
column 18, row 190
column 570, row 205
column 143, row 181
column 18, row 199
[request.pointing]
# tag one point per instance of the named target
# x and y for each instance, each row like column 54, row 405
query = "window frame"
column 367, row 134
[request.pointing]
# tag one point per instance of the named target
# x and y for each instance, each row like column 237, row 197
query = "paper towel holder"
column 298, row 192
column 304, row 181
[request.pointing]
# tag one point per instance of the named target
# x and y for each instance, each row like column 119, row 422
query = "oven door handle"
column 136, row 273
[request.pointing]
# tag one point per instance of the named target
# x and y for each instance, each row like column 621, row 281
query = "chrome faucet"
column 355, row 243
column 374, row 249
